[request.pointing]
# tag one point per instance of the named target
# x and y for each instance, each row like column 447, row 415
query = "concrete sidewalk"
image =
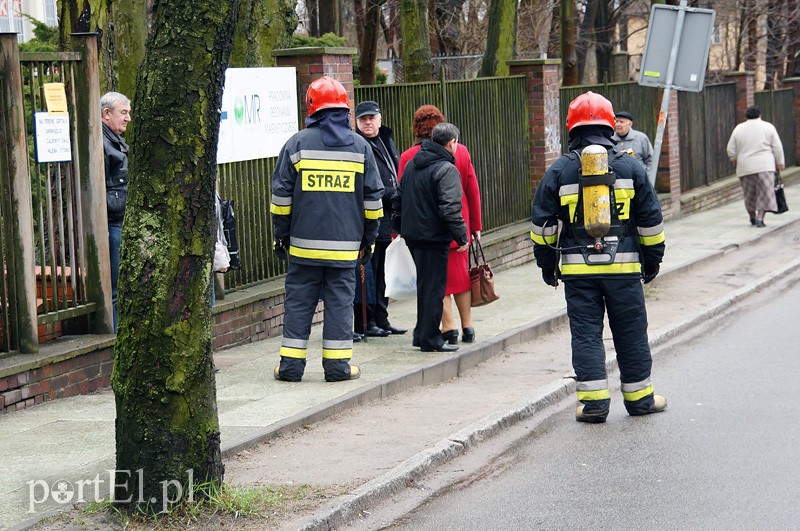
column 73, row 438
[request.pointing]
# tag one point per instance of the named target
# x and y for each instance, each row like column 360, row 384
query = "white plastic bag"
column 222, row 259
column 401, row 273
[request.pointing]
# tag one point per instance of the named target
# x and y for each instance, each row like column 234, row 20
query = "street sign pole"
column 662, row 115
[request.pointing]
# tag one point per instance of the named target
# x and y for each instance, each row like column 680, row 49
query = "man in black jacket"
column 379, row 137
column 427, row 210
column 115, row 113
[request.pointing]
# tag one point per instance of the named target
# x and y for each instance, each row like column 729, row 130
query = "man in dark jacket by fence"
column 379, row 137
column 427, row 210
column 115, row 113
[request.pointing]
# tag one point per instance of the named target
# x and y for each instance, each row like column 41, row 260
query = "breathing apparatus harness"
column 596, row 219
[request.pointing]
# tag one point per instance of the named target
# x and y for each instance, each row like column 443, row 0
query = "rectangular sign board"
column 259, row 113
column 692, row 53
column 52, row 137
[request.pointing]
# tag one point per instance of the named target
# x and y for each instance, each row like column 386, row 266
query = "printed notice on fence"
column 52, row 138
column 55, row 98
column 259, row 113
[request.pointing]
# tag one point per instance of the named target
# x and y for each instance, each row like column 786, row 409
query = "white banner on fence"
column 259, row 113
column 52, row 137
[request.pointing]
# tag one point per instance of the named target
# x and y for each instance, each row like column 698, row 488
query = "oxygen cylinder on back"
column 596, row 191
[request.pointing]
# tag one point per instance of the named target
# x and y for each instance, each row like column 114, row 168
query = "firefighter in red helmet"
column 326, row 205
column 611, row 239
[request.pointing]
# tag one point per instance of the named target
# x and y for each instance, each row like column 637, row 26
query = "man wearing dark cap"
column 629, row 139
column 379, row 137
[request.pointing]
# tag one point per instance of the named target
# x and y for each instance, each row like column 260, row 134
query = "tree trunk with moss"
column 569, row 45
column 368, row 53
column 416, row 44
column 263, row 26
column 501, row 38
column 167, row 429
column 130, row 35
column 90, row 16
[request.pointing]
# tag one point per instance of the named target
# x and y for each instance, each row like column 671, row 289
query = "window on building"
column 50, row 13
column 10, row 21
column 716, row 38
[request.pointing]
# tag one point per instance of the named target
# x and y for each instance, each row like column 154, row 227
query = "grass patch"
column 227, row 507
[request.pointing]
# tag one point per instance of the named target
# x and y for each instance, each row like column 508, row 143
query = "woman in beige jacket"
column 757, row 151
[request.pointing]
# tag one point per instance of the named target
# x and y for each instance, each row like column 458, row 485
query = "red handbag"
column 481, row 277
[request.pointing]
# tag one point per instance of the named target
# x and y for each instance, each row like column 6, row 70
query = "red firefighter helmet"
column 590, row 109
column 326, row 93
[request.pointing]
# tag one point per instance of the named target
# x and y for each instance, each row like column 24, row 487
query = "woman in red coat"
column 458, row 283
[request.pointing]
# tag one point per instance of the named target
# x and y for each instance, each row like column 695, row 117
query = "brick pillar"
column 668, row 178
column 313, row 63
column 544, row 121
column 745, row 91
column 794, row 83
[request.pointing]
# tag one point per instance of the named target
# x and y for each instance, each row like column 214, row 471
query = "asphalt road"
column 723, row 456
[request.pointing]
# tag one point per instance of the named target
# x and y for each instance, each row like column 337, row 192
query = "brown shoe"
column 593, row 417
column 355, row 372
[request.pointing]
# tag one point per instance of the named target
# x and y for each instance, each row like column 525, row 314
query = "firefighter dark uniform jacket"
column 637, row 223
column 326, row 200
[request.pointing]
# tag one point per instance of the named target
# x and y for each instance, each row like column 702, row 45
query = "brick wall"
column 58, row 377
column 247, row 317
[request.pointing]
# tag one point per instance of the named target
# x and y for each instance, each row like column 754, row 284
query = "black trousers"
column 305, row 284
column 381, row 312
column 431, row 283
column 587, row 301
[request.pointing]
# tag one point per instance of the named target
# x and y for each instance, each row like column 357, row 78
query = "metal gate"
column 60, row 271
column 54, row 236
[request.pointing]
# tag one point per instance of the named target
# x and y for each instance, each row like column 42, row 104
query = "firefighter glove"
column 549, row 277
column 650, row 272
column 365, row 253
column 281, row 246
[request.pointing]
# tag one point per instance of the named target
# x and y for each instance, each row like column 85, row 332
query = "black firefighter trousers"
column 305, row 284
column 623, row 297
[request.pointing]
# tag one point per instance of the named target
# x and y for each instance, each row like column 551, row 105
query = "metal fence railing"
column 60, row 271
column 491, row 114
column 705, row 122
column 629, row 96
column 248, row 184
column 777, row 107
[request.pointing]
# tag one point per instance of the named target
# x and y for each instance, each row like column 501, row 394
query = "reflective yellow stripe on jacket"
column 575, row 264
column 651, row 235
column 281, row 206
column 544, row 235
column 373, row 209
column 324, row 249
